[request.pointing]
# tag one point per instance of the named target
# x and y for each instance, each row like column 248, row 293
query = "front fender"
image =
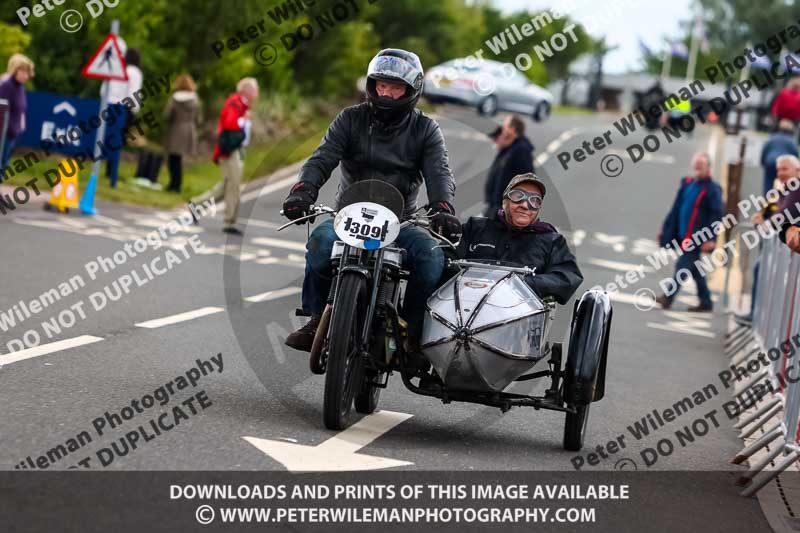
column 585, row 371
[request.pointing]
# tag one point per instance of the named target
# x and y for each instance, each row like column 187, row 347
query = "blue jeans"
column 424, row 261
column 6, row 155
column 687, row 261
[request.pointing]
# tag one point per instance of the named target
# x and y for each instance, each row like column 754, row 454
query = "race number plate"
column 366, row 225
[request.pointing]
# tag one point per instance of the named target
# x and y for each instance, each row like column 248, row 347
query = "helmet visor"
column 394, row 68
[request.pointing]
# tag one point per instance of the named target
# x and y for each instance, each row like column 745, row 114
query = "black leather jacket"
column 402, row 155
column 539, row 245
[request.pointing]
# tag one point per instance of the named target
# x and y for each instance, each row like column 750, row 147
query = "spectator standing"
column 118, row 91
column 233, row 135
column 697, row 205
column 12, row 88
column 787, row 103
column 181, row 115
column 514, row 157
column 779, row 143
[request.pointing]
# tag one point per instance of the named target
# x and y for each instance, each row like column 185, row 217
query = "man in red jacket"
column 787, row 103
column 233, row 134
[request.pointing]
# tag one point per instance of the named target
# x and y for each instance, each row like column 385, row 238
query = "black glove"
column 444, row 222
column 298, row 203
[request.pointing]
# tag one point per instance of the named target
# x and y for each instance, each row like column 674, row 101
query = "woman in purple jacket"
column 20, row 70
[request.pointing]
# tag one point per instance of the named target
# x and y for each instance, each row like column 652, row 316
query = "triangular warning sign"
column 107, row 62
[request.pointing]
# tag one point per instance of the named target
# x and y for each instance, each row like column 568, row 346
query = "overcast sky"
column 651, row 20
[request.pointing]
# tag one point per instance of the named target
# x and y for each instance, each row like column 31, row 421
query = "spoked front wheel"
column 575, row 428
column 344, row 374
column 367, row 399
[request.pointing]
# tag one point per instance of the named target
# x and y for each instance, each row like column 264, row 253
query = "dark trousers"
column 8, row 146
column 424, row 261
column 686, row 261
column 175, row 165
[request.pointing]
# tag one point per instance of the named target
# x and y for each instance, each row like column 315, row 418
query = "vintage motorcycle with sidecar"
column 485, row 327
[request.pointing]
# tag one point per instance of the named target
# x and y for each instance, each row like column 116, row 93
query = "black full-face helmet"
column 393, row 64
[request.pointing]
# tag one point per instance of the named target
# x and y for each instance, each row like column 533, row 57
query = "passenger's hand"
column 793, row 238
column 298, row 203
column 708, row 247
column 444, row 222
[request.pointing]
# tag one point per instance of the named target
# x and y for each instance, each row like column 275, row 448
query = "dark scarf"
column 537, row 226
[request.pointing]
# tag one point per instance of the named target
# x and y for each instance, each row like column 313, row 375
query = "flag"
column 678, row 49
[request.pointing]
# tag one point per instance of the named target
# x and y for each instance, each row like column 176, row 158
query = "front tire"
column 367, row 399
column 575, row 428
column 344, row 373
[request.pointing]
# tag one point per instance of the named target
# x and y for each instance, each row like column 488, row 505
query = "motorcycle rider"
column 516, row 235
column 385, row 138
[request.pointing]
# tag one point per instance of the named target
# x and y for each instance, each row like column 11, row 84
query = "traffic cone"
column 87, row 202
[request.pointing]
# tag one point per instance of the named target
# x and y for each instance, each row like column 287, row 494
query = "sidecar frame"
column 580, row 381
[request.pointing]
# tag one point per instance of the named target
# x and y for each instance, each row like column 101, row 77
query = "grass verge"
column 199, row 174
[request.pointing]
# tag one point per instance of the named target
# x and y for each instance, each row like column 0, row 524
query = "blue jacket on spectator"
column 697, row 206
column 779, row 143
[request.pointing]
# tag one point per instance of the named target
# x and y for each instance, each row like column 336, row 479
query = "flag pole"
column 667, row 63
column 693, row 50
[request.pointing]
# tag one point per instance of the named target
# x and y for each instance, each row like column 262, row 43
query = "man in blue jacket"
column 688, row 226
column 782, row 142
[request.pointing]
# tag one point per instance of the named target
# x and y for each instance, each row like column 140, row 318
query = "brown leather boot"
column 303, row 338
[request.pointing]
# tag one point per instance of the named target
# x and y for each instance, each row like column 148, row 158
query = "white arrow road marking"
column 337, row 454
column 44, row 349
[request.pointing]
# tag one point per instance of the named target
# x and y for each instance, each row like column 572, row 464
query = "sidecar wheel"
column 575, row 428
column 367, row 399
column 343, row 376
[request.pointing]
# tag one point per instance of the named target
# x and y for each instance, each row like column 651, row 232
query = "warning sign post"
column 107, row 64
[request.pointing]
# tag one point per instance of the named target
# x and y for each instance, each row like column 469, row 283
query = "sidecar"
column 486, row 329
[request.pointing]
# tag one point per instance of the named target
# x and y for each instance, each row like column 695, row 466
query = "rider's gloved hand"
column 298, row 203
column 444, row 222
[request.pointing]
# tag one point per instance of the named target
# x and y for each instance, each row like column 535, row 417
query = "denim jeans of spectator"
column 686, row 261
column 424, row 261
column 8, row 146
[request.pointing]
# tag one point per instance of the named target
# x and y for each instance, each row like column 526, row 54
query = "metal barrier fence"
column 776, row 319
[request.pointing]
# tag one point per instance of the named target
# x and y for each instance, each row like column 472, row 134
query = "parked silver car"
column 489, row 86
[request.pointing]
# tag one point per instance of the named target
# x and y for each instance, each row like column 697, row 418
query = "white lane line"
column 261, row 223
column 273, row 295
column 555, row 145
column 268, row 189
column 181, row 317
column 280, row 243
column 45, row 349
column 620, row 265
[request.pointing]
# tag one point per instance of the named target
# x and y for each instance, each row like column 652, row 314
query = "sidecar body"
column 484, row 329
